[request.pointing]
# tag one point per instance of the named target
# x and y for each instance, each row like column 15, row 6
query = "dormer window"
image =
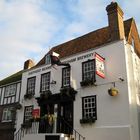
column 48, row 59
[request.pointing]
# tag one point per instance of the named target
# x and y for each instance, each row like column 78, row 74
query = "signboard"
column 100, row 71
column 36, row 113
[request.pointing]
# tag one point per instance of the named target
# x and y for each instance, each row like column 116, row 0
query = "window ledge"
column 6, row 121
column 87, row 83
column 87, row 120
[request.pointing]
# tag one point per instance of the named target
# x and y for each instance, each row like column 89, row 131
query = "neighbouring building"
column 92, row 93
column 10, row 90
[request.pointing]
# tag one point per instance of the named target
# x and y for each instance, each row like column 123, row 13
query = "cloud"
column 29, row 27
column 24, row 29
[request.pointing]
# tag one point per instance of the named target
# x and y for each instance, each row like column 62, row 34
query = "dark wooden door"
column 65, row 115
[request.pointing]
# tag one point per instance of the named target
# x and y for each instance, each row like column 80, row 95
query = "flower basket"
column 87, row 82
column 68, row 91
column 45, row 94
column 113, row 92
column 28, row 96
column 27, row 124
column 18, row 106
column 87, row 120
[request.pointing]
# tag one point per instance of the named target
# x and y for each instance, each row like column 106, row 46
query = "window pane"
column 7, row 114
column 66, row 76
column 45, row 82
column 31, row 86
column 89, row 107
column 28, row 113
column 10, row 90
column 88, row 70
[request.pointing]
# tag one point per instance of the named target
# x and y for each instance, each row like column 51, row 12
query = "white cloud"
column 24, row 29
column 29, row 27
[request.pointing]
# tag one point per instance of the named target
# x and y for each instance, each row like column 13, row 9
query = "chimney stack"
column 115, row 19
column 28, row 64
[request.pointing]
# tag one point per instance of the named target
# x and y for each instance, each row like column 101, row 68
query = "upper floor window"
column 89, row 107
column 66, row 76
column 31, row 85
column 10, row 90
column 28, row 113
column 45, row 81
column 7, row 114
column 47, row 59
column 88, row 70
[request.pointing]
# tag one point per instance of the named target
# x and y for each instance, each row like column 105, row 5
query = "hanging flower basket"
column 28, row 96
column 45, row 94
column 68, row 91
column 18, row 106
column 113, row 92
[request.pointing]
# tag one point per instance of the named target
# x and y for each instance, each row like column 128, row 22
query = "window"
column 10, row 90
column 45, row 81
column 89, row 107
column 7, row 114
column 48, row 59
column 28, row 113
column 66, row 76
column 88, row 70
column 31, row 86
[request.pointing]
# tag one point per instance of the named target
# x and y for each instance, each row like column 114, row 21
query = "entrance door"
column 65, row 119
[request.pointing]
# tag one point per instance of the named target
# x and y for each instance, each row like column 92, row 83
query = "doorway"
column 65, row 117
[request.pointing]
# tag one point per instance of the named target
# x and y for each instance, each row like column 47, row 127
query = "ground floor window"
column 28, row 113
column 7, row 114
column 89, row 107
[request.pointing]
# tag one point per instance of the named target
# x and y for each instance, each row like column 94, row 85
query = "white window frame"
column 45, row 81
column 66, row 77
column 89, row 107
column 7, row 114
column 10, row 90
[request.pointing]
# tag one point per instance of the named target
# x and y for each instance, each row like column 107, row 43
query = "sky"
column 29, row 28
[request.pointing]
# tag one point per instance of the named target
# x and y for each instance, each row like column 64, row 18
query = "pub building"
column 86, row 88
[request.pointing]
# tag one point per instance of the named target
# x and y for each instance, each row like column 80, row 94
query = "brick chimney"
column 115, row 20
column 28, row 64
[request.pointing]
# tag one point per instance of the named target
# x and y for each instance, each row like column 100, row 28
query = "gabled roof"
column 13, row 78
column 91, row 40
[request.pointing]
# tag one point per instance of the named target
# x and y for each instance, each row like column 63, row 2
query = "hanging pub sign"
column 99, row 61
column 36, row 113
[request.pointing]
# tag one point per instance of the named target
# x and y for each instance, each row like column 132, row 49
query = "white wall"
column 133, row 88
column 113, row 113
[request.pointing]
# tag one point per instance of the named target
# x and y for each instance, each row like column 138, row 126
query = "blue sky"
column 28, row 28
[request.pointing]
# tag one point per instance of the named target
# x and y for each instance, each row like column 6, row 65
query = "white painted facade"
column 117, row 116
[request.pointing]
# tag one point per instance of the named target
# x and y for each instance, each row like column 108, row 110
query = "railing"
column 76, row 134
column 19, row 134
column 67, row 129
